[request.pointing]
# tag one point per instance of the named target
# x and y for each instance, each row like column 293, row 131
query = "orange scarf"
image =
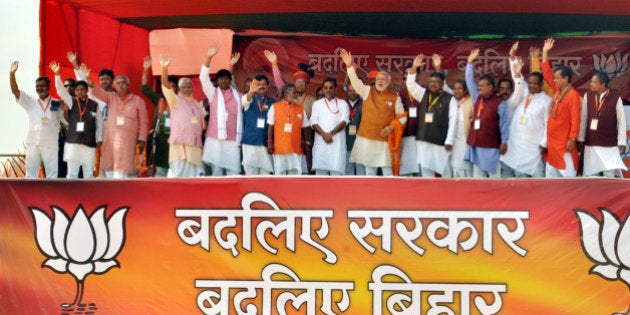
column 393, row 140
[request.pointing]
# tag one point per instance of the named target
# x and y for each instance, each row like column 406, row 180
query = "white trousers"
column 35, row 155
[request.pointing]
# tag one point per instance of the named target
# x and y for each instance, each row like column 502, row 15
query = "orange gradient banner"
column 315, row 245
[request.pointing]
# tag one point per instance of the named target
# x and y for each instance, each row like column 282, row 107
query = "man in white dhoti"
column 530, row 113
column 329, row 117
column 602, row 129
column 225, row 123
column 459, row 128
column 44, row 117
column 434, row 116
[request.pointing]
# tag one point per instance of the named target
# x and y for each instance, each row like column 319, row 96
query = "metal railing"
column 12, row 165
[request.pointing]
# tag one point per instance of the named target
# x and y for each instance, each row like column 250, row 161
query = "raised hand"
column 254, row 86
column 14, row 67
column 213, row 50
column 548, row 44
column 473, row 55
column 271, row 56
column 518, row 66
column 165, row 61
column 147, row 63
column 54, row 66
column 235, row 57
column 513, row 50
column 72, row 57
column 418, row 62
column 437, row 62
column 346, row 57
column 85, row 70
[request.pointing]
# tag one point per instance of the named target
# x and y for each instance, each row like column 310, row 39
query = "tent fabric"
column 100, row 42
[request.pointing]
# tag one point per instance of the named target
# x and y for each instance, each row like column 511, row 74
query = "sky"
column 19, row 22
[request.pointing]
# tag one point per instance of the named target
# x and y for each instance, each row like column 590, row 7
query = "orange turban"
column 372, row 74
column 301, row 75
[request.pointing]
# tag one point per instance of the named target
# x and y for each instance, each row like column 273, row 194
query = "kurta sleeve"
column 575, row 105
column 504, row 122
column 150, row 94
column 102, row 95
column 447, row 88
column 583, row 118
column 271, row 116
column 622, row 137
column 99, row 127
column 206, row 84
column 62, row 92
column 548, row 75
column 170, row 96
column 399, row 109
column 415, row 89
column 470, row 83
column 517, row 95
column 277, row 77
column 362, row 89
column 143, row 120
column 452, row 120
column 345, row 111
column 245, row 102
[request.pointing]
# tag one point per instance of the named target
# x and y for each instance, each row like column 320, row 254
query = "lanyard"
column 459, row 104
column 303, row 100
column 289, row 111
column 529, row 100
column 480, row 107
column 82, row 110
column 353, row 111
column 261, row 107
column 330, row 110
column 121, row 106
column 599, row 104
column 434, row 101
column 47, row 104
column 557, row 100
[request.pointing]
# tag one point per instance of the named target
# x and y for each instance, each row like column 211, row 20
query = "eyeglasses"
column 68, row 85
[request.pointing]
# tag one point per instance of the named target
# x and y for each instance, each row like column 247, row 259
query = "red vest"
column 489, row 135
column 606, row 133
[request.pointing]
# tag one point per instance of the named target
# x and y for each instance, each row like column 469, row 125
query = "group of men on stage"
column 523, row 127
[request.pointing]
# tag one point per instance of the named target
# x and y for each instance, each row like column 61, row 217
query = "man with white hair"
column 186, row 126
column 127, row 126
column 380, row 108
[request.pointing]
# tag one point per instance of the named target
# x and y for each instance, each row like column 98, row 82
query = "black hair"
column 538, row 75
column 330, row 79
column 81, row 83
column 508, row 81
column 462, row 82
column 603, row 77
column 286, row 87
column 488, row 78
column 224, row 73
column 71, row 80
column 565, row 72
column 261, row 78
column 438, row 75
column 45, row 79
column 106, row 72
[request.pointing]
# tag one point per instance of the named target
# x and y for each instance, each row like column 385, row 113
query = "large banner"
column 584, row 55
column 314, row 245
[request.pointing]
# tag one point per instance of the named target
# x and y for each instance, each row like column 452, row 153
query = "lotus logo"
column 607, row 244
column 614, row 65
column 80, row 246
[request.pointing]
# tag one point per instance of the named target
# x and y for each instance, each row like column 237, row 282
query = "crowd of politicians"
column 533, row 125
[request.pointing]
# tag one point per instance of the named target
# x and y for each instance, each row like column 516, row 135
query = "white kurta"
column 432, row 156
column 371, row 153
column 527, row 130
column 408, row 156
column 257, row 156
column 328, row 115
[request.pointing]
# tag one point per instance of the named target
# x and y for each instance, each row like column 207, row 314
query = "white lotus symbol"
column 607, row 244
column 81, row 246
column 614, row 65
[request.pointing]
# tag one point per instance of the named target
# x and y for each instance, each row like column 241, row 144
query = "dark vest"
column 489, row 135
column 253, row 135
column 88, row 136
column 606, row 133
column 412, row 122
column 434, row 132
column 355, row 119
